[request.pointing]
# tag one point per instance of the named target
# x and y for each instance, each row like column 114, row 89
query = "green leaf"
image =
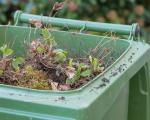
column 6, row 51
column 3, row 48
column 70, row 63
column 95, row 64
column 83, row 65
column 78, row 73
column 48, row 39
column 40, row 49
column 86, row 73
column 60, row 51
column 76, row 76
column 61, row 55
column 16, row 62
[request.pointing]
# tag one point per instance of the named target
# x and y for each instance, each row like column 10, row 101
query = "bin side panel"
column 119, row 109
column 113, row 101
column 139, row 108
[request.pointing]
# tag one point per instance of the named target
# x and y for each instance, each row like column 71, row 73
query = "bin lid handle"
column 132, row 30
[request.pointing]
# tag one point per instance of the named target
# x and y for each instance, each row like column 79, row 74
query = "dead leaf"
column 33, row 46
column 4, row 63
column 36, row 23
column 58, row 6
column 64, row 87
column 102, row 68
column 54, row 85
column 70, row 72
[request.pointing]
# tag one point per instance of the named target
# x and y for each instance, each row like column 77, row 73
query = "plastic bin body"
column 90, row 102
column 139, row 107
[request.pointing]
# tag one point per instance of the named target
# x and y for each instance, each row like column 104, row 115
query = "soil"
column 40, row 77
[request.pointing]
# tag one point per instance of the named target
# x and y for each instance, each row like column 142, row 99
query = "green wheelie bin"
column 124, row 96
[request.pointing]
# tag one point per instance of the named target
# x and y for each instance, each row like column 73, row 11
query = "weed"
column 16, row 62
column 6, row 51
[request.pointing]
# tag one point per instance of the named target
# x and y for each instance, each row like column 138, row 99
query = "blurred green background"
column 112, row 11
